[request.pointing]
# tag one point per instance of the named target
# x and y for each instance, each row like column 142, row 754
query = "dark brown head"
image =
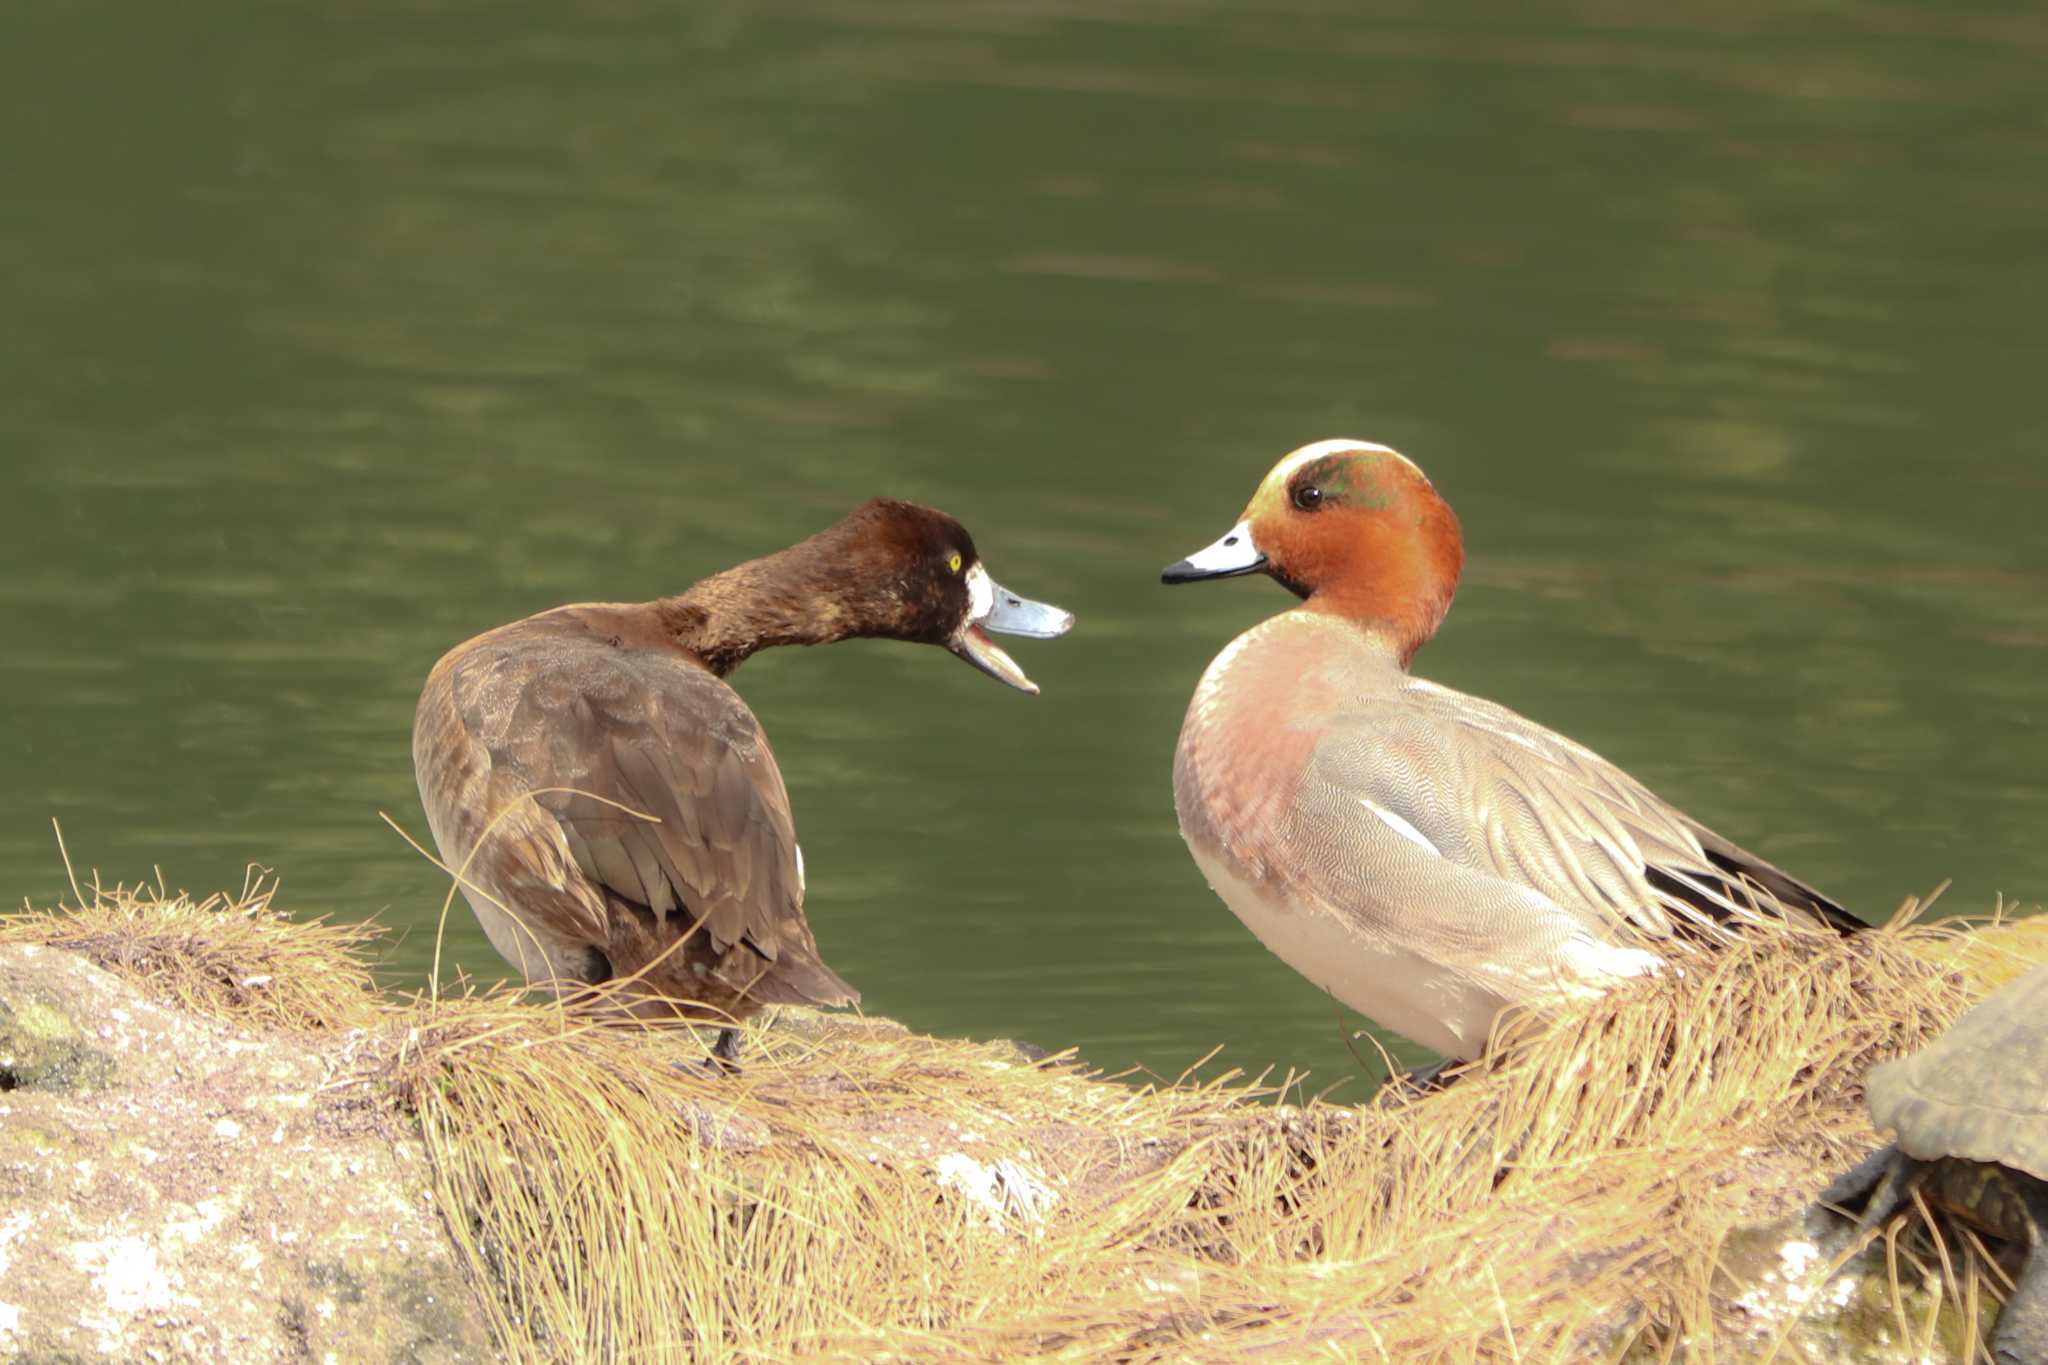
column 1357, row 530
column 900, row 571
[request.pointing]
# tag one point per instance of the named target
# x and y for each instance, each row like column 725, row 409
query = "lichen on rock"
column 177, row 1188
column 40, row 1047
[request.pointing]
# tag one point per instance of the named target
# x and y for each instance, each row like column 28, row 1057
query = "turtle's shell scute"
column 1980, row 1091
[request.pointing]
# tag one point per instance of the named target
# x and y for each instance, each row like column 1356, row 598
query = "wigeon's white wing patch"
column 1400, row 826
column 1589, row 964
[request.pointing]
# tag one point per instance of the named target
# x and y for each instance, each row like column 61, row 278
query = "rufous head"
column 1355, row 529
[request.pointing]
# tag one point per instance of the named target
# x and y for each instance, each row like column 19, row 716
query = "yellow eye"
column 954, row 562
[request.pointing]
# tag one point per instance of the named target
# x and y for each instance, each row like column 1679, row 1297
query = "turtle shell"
column 1980, row 1091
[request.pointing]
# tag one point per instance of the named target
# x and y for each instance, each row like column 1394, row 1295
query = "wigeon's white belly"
column 1390, row 985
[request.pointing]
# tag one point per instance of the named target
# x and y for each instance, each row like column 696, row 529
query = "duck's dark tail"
column 799, row 976
column 1740, row 879
column 1786, row 889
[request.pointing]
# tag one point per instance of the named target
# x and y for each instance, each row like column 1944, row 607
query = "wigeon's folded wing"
column 1494, row 792
column 603, row 738
column 1354, row 850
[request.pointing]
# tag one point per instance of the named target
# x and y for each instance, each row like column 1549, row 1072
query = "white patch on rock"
column 127, row 1273
column 1172, row 1282
column 10, row 1228
column 1790, row 1288
column 207, row 1215
column 1842, row 1291
column 1004, row 1190
column 1796, row 1258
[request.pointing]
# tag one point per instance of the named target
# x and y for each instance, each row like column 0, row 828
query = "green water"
column 332, row 337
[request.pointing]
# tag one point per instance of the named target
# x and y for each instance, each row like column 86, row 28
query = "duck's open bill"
column 995, row 607
column 1227, row 558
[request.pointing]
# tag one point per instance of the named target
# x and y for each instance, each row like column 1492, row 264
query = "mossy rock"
column 28, row 1140
column 1779, row 1292
column 394, row 1309
column 42, row 1049
column 433, row 1316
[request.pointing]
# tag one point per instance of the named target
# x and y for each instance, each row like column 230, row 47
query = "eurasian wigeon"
column 539, row 747
column 1425, row 856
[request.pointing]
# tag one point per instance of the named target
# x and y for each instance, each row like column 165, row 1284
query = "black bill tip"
column 1187, row 571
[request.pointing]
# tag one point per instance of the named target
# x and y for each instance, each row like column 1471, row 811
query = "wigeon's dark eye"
column 1308, row 497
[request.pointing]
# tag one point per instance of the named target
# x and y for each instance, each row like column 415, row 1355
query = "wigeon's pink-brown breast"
column 1250, row 734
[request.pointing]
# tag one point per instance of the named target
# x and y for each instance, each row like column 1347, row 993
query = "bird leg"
column 724, row 1060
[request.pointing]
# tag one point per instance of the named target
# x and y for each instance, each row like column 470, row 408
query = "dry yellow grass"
column 230, row 954
column 860, row 1193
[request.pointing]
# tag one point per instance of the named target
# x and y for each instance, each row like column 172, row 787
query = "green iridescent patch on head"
column 1353, row 479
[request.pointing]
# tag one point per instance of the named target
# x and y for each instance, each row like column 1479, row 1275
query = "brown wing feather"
column 530, row 897
column 589, row 727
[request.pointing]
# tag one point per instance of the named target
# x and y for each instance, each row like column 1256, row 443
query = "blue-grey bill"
column 1012, row 615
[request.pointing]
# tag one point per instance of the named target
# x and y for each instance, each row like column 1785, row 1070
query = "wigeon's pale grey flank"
column 1426, row 857
column 531, row 738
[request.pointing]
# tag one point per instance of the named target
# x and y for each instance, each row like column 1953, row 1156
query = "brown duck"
column 612, row 807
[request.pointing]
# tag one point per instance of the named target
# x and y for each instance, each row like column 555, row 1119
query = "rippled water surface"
column 332, row 337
